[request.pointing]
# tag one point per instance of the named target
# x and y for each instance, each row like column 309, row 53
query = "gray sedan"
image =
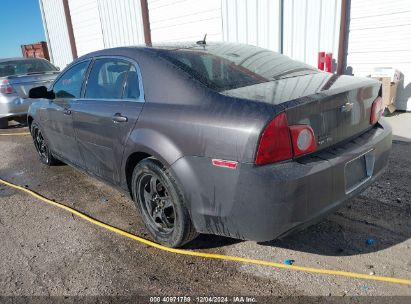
column 225, row 139
column 17, row 77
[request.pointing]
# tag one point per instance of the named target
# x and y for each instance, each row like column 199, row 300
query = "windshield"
column 25, row 66
column 231, row 66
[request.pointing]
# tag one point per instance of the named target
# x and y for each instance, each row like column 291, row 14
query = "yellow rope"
column 207, row 255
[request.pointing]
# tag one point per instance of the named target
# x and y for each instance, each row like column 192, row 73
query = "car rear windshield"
column 25, row 67
column 226, row 67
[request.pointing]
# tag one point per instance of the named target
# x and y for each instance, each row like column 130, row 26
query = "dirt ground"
column 46, row 251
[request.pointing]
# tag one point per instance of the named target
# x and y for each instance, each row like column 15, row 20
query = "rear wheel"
column 161, row 204
column 4, row 123
column 41, row 146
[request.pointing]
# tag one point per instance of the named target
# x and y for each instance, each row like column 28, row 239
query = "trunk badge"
column 347, row 107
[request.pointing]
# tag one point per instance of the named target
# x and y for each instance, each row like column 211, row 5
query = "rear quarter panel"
column 181, row 117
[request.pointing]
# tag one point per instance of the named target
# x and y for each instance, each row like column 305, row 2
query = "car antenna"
column 202, row 42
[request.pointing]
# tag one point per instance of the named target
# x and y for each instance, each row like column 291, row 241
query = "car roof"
column 185, row 46
column 160, row 47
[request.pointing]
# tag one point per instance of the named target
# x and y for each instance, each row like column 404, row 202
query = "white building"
column 361, row 34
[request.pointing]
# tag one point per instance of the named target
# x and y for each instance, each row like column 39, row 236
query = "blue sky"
column 20, row 23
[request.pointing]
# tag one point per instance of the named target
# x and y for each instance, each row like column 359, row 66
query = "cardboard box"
column 389, row 90
column 392, row 73
column 389, row 79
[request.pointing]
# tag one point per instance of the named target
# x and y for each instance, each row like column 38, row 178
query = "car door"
column 104, row 118
column 59, row 127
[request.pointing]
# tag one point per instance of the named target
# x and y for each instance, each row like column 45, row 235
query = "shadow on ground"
column 15, row 125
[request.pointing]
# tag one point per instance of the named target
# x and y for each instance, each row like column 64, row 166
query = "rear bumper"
column 13, row 106
column 262, row 203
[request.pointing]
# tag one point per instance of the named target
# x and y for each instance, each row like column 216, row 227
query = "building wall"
column 380, row 36
column 252, row 22
column 55, row 27
column 86, row 25
column 311, row 26
column 308, row 25
column 185, row 20
column 121, row 22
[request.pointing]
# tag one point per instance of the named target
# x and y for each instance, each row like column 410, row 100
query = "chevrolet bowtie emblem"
column 347, row 107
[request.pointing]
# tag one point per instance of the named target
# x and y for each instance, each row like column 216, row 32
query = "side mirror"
column 41, row 92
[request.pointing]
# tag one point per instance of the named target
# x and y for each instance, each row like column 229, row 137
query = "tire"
column 167, row 220
column 4, row 123
column 42, row 147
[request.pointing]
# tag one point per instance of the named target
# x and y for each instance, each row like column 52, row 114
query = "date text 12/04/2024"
column 203, row 299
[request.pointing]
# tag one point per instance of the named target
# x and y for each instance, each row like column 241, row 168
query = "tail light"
column 376, row 110
column 303, row 139
column 5, row 87
column 275, row 142
column 281, row 142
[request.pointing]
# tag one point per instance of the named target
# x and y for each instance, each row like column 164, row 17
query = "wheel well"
column 131, row 163
column 29, row 120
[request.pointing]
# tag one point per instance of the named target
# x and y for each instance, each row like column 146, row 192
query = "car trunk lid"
column 336, row 107
column 23, row 83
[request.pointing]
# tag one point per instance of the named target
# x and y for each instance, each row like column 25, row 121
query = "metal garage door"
column 99, row 24
column 311, row 26
column 55, row 27
column 86, row 26
column 253, row 22
column 185, row 20
column 379, row 36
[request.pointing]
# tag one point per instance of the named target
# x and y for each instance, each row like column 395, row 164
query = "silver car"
column 17, row 77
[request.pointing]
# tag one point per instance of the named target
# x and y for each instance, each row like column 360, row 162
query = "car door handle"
column 119, row 118
column 66, row 111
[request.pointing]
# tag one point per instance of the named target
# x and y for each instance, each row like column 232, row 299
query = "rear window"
column 25, row 67
column 226, row 67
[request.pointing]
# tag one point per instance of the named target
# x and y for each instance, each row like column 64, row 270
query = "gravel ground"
column 46, row 251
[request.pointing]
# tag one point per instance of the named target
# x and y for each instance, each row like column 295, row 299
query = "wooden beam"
column 70, row 29
column 146, row 22
column 342, row 40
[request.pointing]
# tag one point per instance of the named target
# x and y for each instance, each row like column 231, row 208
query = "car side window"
column 69, row 84
column 107, row 78
column 132, row 88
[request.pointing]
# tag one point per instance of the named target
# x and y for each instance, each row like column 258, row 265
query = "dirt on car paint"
column 45, row 251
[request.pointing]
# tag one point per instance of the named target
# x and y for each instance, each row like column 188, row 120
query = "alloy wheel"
column 157, row 203
column 40, row 144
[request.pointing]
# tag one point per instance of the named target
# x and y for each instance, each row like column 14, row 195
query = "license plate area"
column 358, row 171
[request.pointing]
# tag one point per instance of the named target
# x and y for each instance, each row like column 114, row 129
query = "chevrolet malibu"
column 223, row 139
column 17, row 77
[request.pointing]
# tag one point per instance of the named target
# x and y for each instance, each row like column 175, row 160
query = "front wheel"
column 41, row 146
column 161, row 204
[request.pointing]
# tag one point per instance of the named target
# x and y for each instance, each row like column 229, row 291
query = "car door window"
column 69, row 84
column 106, row 79
column 132, row 88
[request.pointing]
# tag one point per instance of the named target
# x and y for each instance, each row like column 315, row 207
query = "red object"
column 5, row 87
column 321, row 60
column 376, row 110
column 275, row 142
column 328, row 62
column 225, row 163
column 36, row 50
column 281, row 142
column 303, row 139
